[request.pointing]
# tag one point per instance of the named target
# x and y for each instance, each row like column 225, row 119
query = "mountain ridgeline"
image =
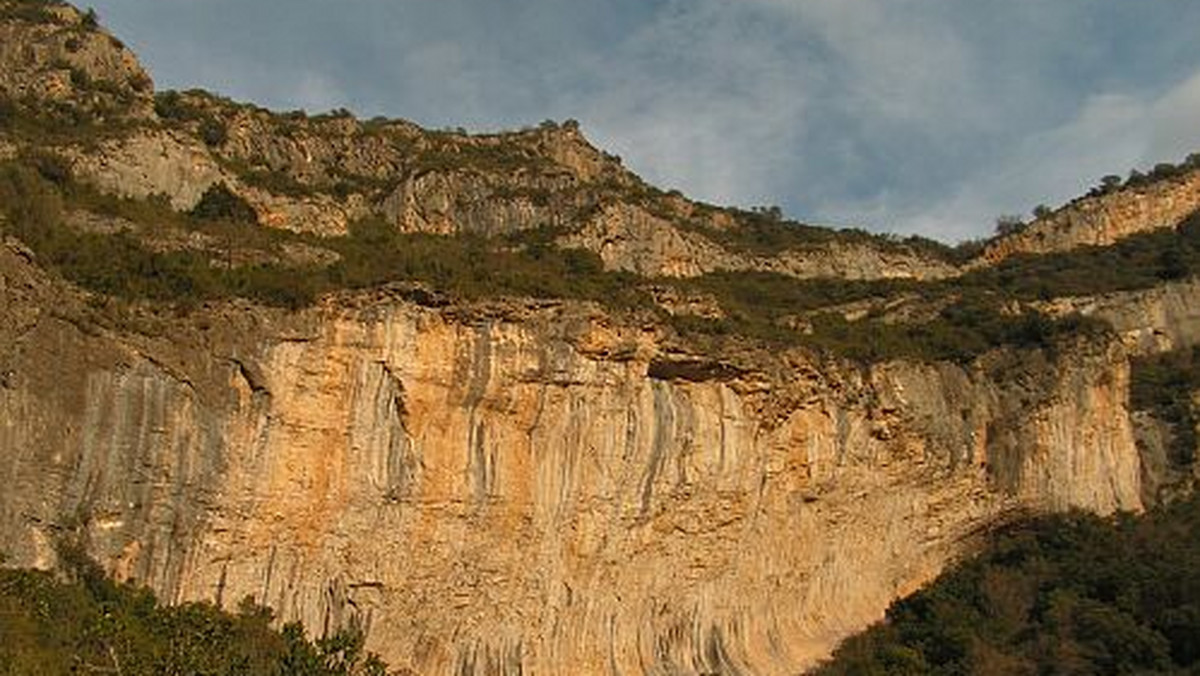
column 491, row 404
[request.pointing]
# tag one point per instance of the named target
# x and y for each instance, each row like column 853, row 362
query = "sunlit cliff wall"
column 535, row 489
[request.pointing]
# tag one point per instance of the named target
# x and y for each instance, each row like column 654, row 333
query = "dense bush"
column 33, row 11
column 1136, row 262
column 219, row 203
column 960, row 333
column 473, row 267
column 758, row 303
column 172, row 105
column 42, row 123
column 87, row 623
column 1061, row 595
column 1164, row 384
column 213, row 132
column 275, row 181
column 764, row 232
column 970, row 323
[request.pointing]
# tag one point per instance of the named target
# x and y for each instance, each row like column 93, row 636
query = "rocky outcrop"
column 848, row 260
column 630, row 238
column 1103, row 219
column 458, row 202
column 519, row 488
column 149, row 163
column 55, row 55
column 1149, row 321
column 421, row 181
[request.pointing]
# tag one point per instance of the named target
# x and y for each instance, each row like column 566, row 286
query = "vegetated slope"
column 1072, row 594
column 143, row 249
column 188, row 197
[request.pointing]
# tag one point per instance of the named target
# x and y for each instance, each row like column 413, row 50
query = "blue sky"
column 913, row 116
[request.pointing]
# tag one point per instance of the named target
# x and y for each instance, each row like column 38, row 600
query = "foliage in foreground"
column 1069, row 594
column 93, row 625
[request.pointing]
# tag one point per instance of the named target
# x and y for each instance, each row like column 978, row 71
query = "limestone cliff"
column 1151, row 323
column 514, row 488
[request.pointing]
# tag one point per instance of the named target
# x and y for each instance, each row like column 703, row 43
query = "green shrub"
column 80, row 79
column 169, row 105
column 176, row 106
column 1065, row 594
column 91, row 624
column 32, row 11
column 50, row 166
column 274, row 181
column 1163, row 385
column 213, row 132
column 219, row 203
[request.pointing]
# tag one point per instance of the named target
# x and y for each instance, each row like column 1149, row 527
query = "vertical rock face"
column 536, row 489
column 1149, row 321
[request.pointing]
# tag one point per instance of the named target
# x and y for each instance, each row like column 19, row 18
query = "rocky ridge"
column 319, row 174
column 1104, row 217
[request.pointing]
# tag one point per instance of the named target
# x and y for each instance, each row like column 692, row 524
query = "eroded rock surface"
column 509, row 489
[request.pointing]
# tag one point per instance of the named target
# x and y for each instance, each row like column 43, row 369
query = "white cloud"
column 769, row 101
column 316, row 92
column 696, row 99
column 1112, row 133
column 899, row 61
column 1175, row 123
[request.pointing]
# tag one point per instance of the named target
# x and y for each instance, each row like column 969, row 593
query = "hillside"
column 506, row 408
column 1060, row 595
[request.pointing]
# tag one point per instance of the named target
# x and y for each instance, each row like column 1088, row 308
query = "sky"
column 928, row 117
